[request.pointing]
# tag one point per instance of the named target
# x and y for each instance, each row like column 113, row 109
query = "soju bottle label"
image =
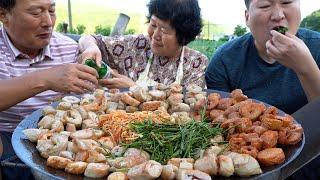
column 104, row 71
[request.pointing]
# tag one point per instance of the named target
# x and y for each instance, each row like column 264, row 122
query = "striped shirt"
column 13, row 63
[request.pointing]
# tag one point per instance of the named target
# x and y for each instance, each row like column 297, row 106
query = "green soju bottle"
column 103, row 71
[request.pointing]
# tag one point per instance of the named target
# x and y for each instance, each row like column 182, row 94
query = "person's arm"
column 310, row 81
column 117, row 81
column 65, row 78
column 89, row 49
column 292, row 52
column 15, row 90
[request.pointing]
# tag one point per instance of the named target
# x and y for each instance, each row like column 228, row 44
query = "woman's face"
column 263, row 15
column 163, row 38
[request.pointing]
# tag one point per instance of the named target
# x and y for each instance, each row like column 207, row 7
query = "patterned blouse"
column 129, row 56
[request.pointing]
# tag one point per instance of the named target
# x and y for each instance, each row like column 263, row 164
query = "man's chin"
column 43, row 43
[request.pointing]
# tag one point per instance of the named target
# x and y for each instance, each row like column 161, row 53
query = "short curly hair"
column 184, row 16
column 7, row 4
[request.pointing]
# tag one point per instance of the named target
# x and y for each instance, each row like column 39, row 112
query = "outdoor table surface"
column 308, row 116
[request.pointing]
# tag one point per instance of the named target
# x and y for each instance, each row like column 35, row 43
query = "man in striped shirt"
column 36, row 64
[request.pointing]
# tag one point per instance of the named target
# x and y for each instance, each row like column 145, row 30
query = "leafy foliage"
column 105, row 31
column 130, row 31
column 81, row 29
column 239, row 30
column 59, row 27
column 312, row 21
column 207, row 47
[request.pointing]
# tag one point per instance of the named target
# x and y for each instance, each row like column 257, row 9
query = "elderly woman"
column 160, row 57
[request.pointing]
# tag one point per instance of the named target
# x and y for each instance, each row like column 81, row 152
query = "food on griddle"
column 163, row 132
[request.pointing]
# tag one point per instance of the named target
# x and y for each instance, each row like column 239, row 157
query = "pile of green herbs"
column 166, row 141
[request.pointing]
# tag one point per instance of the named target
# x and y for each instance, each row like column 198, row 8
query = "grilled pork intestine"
column 148, row 170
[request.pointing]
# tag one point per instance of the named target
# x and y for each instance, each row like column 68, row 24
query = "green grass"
column 96, row 15
column 207, row 47
column 91, row 14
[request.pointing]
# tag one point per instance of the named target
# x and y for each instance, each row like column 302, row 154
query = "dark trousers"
column 14, row 173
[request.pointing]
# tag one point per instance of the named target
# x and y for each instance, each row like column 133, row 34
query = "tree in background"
column 239, row 30
column 312, row 21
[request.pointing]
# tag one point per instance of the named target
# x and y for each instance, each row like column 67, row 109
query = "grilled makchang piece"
column 83, row 134
column 252, row 110
column 271, row 122
column 177, row 161
column 213, row 100
column 193, row 88
column 126, row 162
column 226, row 167
column 212, row 151
column 97, row 170
column 271, row 156
column 158, row 95
column 225, row 103
column 207, row 164
column 175, row 88
column 136, row 152
column 107, row 143
column 238, row 95
column 192, row 174
column 76, row 167
column 181, row 117
column 95, row 157
column 148, row 170
column 58, row 162
column 291, row 135
column 46, row 122
column 150, row 105
column 34, row 134
column 51, row 144
column 140, row 93
column 269, row 139
column 98, row 103
column 117, row 176
column 175, row 98
column 67, row 154
column 240, row 124
column 244, row 164
column 169, row 172
column 126, row 98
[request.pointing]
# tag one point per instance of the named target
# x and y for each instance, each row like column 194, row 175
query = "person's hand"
column 92, row 52
column 117, row 81
column 290, row 51
column 67, row 78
